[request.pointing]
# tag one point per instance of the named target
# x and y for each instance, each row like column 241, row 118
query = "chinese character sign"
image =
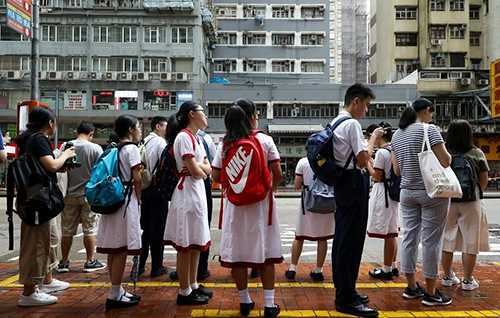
column 19, row 16
column 495, row 88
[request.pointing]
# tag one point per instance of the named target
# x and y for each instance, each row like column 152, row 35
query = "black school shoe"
column 254, row 273
column 115, row 304
column 204, row 292
column 133, row 297
column 363, row 298
column 395, row 272
column 203, row 275
column 317, row 276
column 174, row 275
column 160, row 271
column 380, row 274
column 192, row 299
column 271, row 312
column 290, row 274
column 357, row 309
column 245, row 309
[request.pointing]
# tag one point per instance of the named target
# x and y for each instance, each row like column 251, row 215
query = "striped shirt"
column 407, row 144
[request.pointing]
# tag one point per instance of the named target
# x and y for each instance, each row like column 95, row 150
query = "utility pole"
column 35, row 50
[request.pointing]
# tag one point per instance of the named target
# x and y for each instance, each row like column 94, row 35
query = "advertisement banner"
column 495, row 88
column 19, row 16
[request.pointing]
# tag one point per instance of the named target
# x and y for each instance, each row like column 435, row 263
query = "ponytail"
column 37, row 119
column 409, row 116
column 180, row 120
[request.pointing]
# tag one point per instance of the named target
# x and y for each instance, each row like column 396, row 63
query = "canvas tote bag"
column 439, row 182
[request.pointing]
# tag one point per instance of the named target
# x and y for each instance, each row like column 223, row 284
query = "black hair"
column 388, row 130
column 123, row 123
column 371, row 128
column 237, row 124
column 358, row 90
column 157, row 120
column 181, row 119
column 409, row 116
column 170, row 128
column 459, row 137
column 37, row 119
column 247, row 105
column 85, row 127
column 113, row 138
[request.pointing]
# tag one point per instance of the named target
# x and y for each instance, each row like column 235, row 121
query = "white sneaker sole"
column 90, row 270
column 469, row 288
column 449, row 283
column 429, row 303
column 29, row 304
column 63, row 270
column 49, row 290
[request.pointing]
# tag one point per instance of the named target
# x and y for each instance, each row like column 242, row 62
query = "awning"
column 294, row 129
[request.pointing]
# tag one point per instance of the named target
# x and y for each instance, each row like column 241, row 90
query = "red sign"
column 161, row 93
column 23, row 5
column 107, row 93
column 18, row 27
column 19, row 16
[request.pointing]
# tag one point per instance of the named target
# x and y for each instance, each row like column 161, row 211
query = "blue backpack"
column 392, row 186
column 318, row 198
column 105, row 191
column 321, row 157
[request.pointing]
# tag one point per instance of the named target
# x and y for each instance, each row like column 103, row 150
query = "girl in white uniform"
column 187, row 226
column 120, row 233
column 248, row 238
column 383, row 220
column 310, row 226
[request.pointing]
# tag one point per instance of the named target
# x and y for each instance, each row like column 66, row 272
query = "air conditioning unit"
column 380, row 106
column 284, row 42
column 321, row 9
column 436, row 42
column 110, row 76
column 225, row 35
column 73, row 76
column 250, row 35
column 43, row 75
column 250, row 61
column 125, row 76
column 180, row 77
column 401, row 108
column 286, row 8
column 142, row 76
column 55, row 76
column 287, row 62
column 483, row 82
column 95, row 76
column 314, row 37
column 165, row 77
column 465, row 81
column 250, row 7
column 463, row 26
column 440, row 56
column 13, row 75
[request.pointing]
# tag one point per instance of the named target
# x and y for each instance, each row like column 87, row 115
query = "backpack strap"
column 128, row 190
column 10, row 204
column 332, row 128
column 385, row 180
column 264, row 164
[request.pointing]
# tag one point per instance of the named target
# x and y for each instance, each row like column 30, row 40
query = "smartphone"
column 72, row 165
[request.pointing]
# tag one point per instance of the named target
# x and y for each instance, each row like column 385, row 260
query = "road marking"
column 14, row 258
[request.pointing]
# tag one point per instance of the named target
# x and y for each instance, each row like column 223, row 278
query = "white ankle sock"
column 317, row 270
column 194, row 285
column 185, row 292
column 386, row 269
column 269, row 297
column 123, row 292
column 116, row 294
column 293, row 267
column 244, row 296
column 394, row 265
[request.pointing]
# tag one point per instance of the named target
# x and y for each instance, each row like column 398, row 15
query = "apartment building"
column 103, row 57
column 335, row 41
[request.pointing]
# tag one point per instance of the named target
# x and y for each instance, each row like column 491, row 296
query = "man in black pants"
column 351, row 196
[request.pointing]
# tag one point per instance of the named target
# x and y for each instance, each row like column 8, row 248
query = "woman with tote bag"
column 423, row 217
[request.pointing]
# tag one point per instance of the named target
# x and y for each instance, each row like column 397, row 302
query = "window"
column 252, row 66
column 286, row 66
column 438, row 60
column 14, row 63
column 182, row 65
column 49, row 33
column 225, row 66
column 475, row 64
column 474, row 12
column 312, row 39
column 226, row 11
column 64, row 64
column 48, row 3
column 457, row 60
column 71, row 33
column 457, row 31
column 117, row 3
column 115, row 34
column 438, row 31
column 250, row 38
column 406, row 66
column 182, row 35
column 250, row 11
column 154, row 65
column 457, row 5
column 312, row 67
column 305, row 111
column 72, row 3
column 437, row 5
column 404, row 13
column 312, row 12
column 283, row 12
column 475, row 38
column 283, row 39
column 79, row 64
column 99, row 64
column 406, row 39
column 7, row 34
column 227, row 38
column 48, row 64
column 155, row 34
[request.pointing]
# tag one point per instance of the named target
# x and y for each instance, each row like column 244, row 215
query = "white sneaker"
column 38, row 298
column 55, row 286
column 469, row 284
column 449, row 281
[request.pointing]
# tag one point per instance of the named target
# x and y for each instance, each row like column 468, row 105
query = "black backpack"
column 165, row 176
column 39, row 199
column 466, row 174
column 392, row 185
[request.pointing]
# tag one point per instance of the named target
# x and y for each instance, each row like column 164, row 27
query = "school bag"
column 106, row 191
column 466, row 174
column 146, row 175
column 39, row 199
column 202, row 135
column 318, row 198
column 321, row 157
column 166, row 177
column 392, row 186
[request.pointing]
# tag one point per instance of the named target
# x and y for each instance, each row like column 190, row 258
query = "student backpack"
column 106, row 192
column 318, row 197
column 39, row 199
column 466, row 174
column 202, row 135
column 320, row 154
column 392, row 186
column 146, row 175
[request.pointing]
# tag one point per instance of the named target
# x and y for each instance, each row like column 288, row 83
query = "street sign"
column 495, row 88
column 19, row 15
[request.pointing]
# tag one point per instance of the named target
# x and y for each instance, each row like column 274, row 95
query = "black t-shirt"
column 39, row 146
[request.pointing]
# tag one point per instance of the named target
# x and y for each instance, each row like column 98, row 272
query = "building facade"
column 354, row 41
column 335, row 41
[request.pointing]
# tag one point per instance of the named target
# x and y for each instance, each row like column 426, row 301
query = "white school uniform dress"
column 247, row 239
column 382, row 222
column 187, row 220
column 312, row 226
column 117, row 233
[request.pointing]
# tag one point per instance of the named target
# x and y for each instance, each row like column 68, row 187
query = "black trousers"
column 203, row 263
column 153, row 221
column 351, row 196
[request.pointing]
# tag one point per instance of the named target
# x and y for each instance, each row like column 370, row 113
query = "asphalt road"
column 287, row 213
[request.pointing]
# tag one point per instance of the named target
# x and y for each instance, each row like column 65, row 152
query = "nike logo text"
column 240, row 161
